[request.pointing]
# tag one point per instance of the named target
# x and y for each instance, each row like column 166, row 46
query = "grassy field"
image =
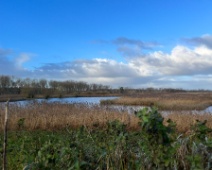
column 77, row 136
column 167, row 101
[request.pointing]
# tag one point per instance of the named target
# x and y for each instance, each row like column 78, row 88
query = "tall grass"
column 56, row 116
column 185, row 120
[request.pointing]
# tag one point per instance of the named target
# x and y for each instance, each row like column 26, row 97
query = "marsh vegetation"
column 179, row 101
column 77, row 136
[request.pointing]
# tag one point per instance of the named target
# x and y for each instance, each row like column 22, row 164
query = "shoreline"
column 15, row 98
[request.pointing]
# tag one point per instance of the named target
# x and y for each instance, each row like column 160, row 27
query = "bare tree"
column 5, row 81
column 43, row 83
column 53, row 84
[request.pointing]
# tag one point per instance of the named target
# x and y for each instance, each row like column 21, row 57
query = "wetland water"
column 96, row 100
column 83, row 100
column 132, row 109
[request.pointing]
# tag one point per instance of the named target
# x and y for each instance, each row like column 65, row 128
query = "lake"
column 85, row 100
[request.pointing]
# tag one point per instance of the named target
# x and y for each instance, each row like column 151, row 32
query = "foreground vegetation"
column 76, row 136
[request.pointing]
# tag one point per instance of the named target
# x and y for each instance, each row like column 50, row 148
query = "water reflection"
column 132, row 109
column 209, row 109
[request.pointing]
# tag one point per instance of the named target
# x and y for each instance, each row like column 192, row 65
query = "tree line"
column 13, row 85
column 31, row 87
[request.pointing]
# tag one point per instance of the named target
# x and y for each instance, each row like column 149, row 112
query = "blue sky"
column 131, row 43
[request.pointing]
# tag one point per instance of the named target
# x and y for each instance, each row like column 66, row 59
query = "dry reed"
column 57, row 116
column 185, row 120
column 168, row 101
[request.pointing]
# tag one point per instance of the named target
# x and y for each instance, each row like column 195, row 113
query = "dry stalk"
column 5, row 136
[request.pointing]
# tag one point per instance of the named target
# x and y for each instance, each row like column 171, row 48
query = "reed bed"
column 57, row 116
column 185, row 120
column 167, row 101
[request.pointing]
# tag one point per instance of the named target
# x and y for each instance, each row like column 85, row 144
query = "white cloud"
column 21, row 59
column 126, row 41
column 203, row 51
column 175, row 69
column 181, row 61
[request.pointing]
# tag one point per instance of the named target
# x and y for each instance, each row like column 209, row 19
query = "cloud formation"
column 183, row 67
column 178, row 68
column 138, row 43
column 6, row 65
column 205, row 40
column 12, row 64
column 129, row 47
column 181, row 61
column 22, row 59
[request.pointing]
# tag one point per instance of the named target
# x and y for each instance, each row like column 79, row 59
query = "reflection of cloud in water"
column 209, row 109
column 129, row 109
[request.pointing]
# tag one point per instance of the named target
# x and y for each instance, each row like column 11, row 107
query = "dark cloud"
column 99, row 42
column 126, row 41
column 129, row 52
column 51, row 66
column 205, row 40
column 132, row 47
column 4, row 52
column 6, row 65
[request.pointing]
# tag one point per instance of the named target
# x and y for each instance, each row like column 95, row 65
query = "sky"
column 129, row 43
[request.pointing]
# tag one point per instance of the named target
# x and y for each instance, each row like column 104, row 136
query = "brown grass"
column 6, row 97
column 56, row 116
column 168, row 101
column 184, row 120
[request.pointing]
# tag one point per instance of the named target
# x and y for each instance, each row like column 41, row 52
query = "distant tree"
column 43, row 83
column 54, row 84
column 5, row 81
column 93, row 87
column 121, row 89
column 27, row 82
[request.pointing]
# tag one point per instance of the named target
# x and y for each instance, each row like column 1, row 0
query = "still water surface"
column 85, row 100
